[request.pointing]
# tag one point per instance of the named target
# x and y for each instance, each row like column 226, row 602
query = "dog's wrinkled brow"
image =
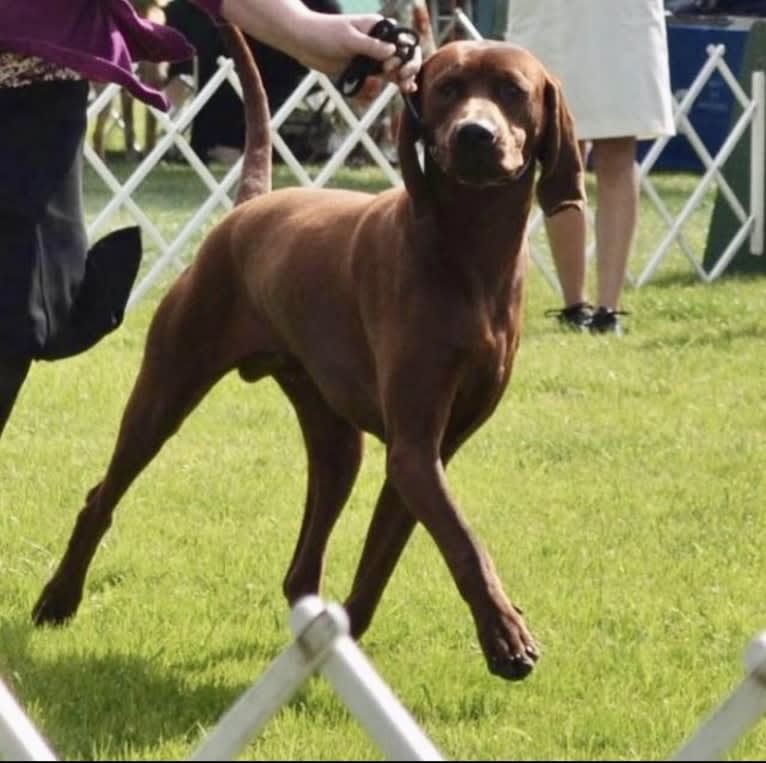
column 453, row 69
column 517, row 77
column 486, row 69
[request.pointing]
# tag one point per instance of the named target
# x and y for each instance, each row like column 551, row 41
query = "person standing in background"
column 218, row 128
column 612, row 60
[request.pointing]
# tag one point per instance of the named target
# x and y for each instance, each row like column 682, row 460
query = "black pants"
column 12, row 375
column 57, row 298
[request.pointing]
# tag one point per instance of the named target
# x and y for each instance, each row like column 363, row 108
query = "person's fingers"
column 366, row 45
column 412, row 67
column 360, row 43
column 390, row 65
column 372, row 48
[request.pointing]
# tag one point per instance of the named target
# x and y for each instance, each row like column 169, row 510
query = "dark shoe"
column 606, row 320
column 576, row 317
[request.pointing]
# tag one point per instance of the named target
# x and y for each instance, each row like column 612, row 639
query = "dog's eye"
column 508, row 90
column 449, row 89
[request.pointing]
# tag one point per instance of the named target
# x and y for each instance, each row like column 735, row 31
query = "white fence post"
column 19, row 739
column 361, row 688
column 758, row 162
column 738, row 713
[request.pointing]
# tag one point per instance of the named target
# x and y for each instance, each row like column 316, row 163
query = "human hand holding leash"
column 326, row 42
column 405, row 41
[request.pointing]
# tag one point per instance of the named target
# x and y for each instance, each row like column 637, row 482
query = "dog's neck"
column 481, row 229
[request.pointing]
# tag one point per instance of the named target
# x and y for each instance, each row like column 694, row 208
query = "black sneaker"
column 576, row 317
column 606, row 320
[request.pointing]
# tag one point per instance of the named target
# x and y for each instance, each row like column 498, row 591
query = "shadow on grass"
column 674, row 280
column 698, row 336
column 112, row 704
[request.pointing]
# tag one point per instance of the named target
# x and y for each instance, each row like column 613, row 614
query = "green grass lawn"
column 619, row 489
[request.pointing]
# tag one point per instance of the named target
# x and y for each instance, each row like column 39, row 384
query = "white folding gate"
column 171, row 252
column 752, row 220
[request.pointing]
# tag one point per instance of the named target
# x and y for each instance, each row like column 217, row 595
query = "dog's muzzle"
column 477, row 156
column 475, row 136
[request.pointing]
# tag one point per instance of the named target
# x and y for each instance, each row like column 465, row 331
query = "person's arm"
column 326, row 42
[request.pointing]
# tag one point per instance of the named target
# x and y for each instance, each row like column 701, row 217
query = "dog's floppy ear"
column 561, row 182
column 410, row 132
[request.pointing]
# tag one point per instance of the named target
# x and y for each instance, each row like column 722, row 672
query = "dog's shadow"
column 107, row 705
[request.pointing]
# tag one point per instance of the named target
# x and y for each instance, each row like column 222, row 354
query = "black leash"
column 406, row 41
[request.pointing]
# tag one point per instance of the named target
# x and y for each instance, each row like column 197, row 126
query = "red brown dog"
column 397, row 314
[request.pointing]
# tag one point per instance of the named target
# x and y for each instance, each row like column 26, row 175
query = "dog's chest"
column 487, row 370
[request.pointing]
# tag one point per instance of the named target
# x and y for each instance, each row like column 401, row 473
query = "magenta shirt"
column 100, row 39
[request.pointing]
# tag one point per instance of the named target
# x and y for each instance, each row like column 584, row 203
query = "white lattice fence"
column 172, row 251
column 751, row 218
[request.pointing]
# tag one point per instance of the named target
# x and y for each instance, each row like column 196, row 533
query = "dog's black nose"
column 475, row 135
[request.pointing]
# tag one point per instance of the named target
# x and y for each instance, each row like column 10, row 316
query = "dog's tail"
column 256, row 169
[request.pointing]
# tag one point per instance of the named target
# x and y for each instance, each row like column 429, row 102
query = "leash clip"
column 406, row 41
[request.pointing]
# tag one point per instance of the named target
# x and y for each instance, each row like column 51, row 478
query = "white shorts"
column 611, row 57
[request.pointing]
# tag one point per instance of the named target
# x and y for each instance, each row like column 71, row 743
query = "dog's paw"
column 55, row 606
column 509, row 647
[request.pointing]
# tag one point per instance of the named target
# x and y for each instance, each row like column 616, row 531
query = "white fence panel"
column 322, row 644
column 171, row 251
column 751, row 221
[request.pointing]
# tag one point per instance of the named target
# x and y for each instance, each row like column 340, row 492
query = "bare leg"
column 567, row 232
column 128, row 116
column 616, row 214
column 151, row 74
column 99, row 130
column 566, row 235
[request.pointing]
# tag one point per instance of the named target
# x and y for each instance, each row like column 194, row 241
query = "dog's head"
column 487, row 112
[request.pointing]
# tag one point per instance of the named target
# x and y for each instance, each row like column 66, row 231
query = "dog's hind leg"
column 334, row 452
column 390, row 529
column 184, row 358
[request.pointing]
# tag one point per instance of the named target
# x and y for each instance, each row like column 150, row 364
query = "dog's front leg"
column 390, row 530
column 417, row 409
